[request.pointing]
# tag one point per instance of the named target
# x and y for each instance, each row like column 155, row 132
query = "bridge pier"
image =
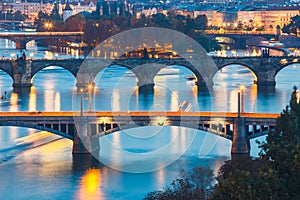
column 204, row 85
column 84, row 143
column 240, row 143
column 22, row 73
column 21, row 44
column 85, row 80
column 266, row 76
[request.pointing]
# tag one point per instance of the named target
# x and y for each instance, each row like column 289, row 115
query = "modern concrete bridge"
column 89, row 126
column 22, row 38
column 264, row 69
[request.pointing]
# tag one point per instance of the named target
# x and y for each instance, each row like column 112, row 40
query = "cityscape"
column 160, row 99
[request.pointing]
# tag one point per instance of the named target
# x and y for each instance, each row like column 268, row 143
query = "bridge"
column 22, row 38
column 87, row 127
column 240, row 39
column 264, row 69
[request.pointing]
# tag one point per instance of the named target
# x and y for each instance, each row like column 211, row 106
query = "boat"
column 184, row 106
column 192, row 77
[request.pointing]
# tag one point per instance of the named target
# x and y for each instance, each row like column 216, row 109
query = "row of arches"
column 17, row 43
column 234, row 71
column 220, row 39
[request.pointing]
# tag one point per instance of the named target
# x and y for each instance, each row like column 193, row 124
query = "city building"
column 29, row 9
column 67, row 12
column 111, row 7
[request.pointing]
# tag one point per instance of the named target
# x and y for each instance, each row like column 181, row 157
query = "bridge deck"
column 27, row 34
column 139, row 113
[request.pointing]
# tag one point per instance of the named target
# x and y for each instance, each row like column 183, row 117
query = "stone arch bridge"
column 264, row 69
column 240, row 39
column 22, row 38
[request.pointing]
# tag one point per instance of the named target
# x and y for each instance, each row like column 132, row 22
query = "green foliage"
column 109, row 25
column 96, row 31
column 74, row 23
column 292, row 26
column 244, row 163
column 239, row 185
column 55, row 13
column 200, row 22
column 282, row 150
column 18, row 16
column 192, row 27
column 196, row 184
column 278, row 177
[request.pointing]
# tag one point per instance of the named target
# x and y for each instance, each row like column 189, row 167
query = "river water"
column 40, row 165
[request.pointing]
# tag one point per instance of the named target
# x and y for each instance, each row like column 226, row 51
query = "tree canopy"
column 98, row 28
column 278, row 177
column 196, row 184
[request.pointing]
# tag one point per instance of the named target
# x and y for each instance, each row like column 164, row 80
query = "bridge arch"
column 36, row 127
column 7, row 72
column 35, row 71
column 194, row 72
column 288, row 65
column 108, row 72
column 12, row 40
column 54, row 73
column 205, row 128
column 236, row 64
column 255, row 40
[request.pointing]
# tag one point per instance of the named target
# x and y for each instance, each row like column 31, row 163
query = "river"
column 40, row 165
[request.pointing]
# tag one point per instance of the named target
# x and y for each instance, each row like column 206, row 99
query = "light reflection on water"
column 50, row 169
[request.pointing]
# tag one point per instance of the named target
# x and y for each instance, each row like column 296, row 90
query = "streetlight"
column 239, row 103
column 241, row 100
column 48, row 26
column 90, row 88
column 81, row 103
column 242, row 88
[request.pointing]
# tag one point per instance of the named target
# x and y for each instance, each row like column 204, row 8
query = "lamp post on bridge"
column 90, row 89
column 81, row 103
column 241, row 100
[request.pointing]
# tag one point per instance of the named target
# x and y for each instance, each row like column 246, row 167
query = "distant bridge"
column 263, row 69
column 240, row 39
column 22, row 38
column 92, row 125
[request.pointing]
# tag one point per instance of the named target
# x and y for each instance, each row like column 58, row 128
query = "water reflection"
column 53, row 165
column 32, row 99
column 90, row 185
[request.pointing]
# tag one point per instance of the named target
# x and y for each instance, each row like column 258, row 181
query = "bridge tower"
column 22, row 72
column 240, row 142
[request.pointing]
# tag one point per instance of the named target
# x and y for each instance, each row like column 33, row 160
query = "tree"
column 279, row 177
column 55, row 13
column 189, row 24
column 196, row 184
column 96, row 31
column 292, row 26
column 239, row 185
column 105, row 9
column 282, row 150
column 74, row 23
column 160, row 20
column 200, row 22
column 207, row 43
column 18, row 16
